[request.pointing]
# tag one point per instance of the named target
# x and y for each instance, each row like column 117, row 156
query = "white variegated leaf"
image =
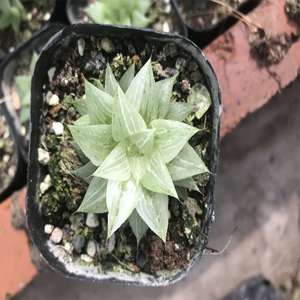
column 115, row 166
column 179, row 111
column 96, row 11
column 140, row 85
column 153, row 209
column 81, row 106
column 99, row 104
column 127, row 78
column 85, row 172
column 139, row 20
column 111, row 83
column 186, row 164
column 156, row 105
column 94, row 200
column 188, row 183
column 95, row 141
column 97, row 83
column 84, row 120
column 157, row 178
column 199, row 96
column 170, row 136
column 126, row 120
column 139, row 227
column 121, row 199
column 143, row 140
column 138, row 165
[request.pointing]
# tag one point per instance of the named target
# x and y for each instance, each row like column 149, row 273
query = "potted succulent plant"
column 206, row 20
column 156, row 14
column 15, row 81
column 20, row 19
column 124, row 150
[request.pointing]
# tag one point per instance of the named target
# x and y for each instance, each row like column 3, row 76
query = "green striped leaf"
column 179, row 111
column 85, row 172
column 188, row 183
column 143, row 140
column 127, row 78
column 111, row 83
column 139, row 227
column 81, row 106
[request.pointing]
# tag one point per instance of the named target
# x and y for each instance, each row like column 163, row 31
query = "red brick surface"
column 244, row 86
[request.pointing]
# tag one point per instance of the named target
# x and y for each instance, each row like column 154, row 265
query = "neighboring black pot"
column 204, row 37
column 19, row 179
column 36, row 172
column 7, row 69
column 74, row 5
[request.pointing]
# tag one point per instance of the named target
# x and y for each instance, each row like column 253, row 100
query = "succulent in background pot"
column 15, row 80
column 121, row 167
column 206, row 20
column 155, row 14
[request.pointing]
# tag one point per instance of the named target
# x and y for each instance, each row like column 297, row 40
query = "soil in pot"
column 81, row 237
column 36, row 13
column 8, row 155
column 203, row 15
column 161, row 16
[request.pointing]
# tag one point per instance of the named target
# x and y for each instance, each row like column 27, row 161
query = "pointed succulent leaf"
column 143, row 140
column 179, row 111
column 186, row 164
column 156, row 105
column 170, row 137
column 199, row 96
column 143, row 80
column 99, row 104
column 83, row 120
column 33, row 62
column 95, row 141
column 143, row 6
column 85, row 172
column 115, row 166
column 81, row 106
column 182, row 193
column 95, row 11
column 139, row 227
column 80, row 153
column 138, row 166
column 157, row 178
column 94, row 200
column 188, row 183
column 153, row 209
column 23, row 85
column 111, row 84
column 121, row 199
column 126, row 120
column 26, row 100
column 5, row 21
column 127, row 78
column 97, row 83
column 25, row 114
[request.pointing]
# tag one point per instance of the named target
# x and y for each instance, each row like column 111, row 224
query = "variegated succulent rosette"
column 138, row 150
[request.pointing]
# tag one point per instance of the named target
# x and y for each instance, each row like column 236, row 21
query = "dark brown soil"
column 8, row 155
column 269, row 50
column 161, row 13
column 201, row 15
column 40, row 10
column 292, row 8
column 67, row 191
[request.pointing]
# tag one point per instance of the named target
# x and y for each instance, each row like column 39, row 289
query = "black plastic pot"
column 19, row 178
column 74, row 5
column 7, row 69
column 204, row 37
column 54, row 48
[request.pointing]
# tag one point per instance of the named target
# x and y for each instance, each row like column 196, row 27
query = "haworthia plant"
column 23, row 86
column 120, row 12
column 138, row 149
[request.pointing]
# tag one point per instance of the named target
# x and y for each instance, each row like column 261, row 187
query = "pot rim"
column 33, row 215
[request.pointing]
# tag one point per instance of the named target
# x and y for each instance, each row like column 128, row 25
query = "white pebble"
column 91, row 248
column 44, row 187
column 48, row 228
column 92, row 220
column 23, row 130
column 81, row 46
column 47, row 179
column 54, row 100
column 56, row 235
column 43, row 156
column 5, row 158
column 47, row 16
column 86, row 258
column 68, row 247
column 51, row 73
column 58, row 128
